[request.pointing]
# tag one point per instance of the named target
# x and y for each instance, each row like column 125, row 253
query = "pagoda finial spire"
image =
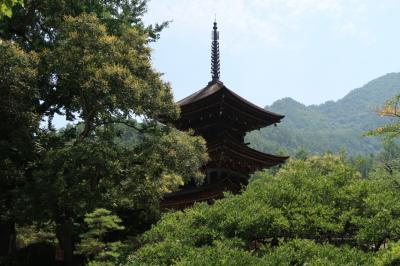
column 215, row 52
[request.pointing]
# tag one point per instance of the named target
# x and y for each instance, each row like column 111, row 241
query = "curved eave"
column 211, row 88
column 226, row 145
column 187, row 197
column 265, row 159
column 198, row 100
column 254, row 108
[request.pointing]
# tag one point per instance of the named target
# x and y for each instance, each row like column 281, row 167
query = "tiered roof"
column 227, row 153
column 208, row 193
column 223, row 118
column 216, row 103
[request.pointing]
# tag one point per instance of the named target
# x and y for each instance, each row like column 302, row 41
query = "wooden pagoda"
column 223, row 118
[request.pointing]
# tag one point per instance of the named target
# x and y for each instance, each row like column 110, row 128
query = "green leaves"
column 390, row 256
column 93, row 245
column 175, row 152
column 335, row 124
column 18, row 94
column 7, row 5
column 308, row 252
column 390, row 130
column 88, row 61
column 390, row 109
column 317, row 211
column 104, row 78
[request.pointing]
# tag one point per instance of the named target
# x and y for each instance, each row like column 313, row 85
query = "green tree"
column 389, row 256
column 18, row 123
column 390, row 109
column 318, row 211
column 36, row 24
column 93, row 244
column 94, row 69
column 7, row 5
column 388, row 159
column 103, row 80
column 302, row 154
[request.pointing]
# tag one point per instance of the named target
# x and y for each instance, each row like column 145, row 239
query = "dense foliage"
column 7, row 5
column 318, row 211
column 89, row 62
column 87, row 192
column 18, row 75
column 335, row 125
column 93, row 243
column 390, row 109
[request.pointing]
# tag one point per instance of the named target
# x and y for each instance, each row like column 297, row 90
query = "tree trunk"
column 7, row 238
column 64, row 235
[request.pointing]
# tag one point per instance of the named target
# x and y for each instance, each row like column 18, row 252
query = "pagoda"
column 222, row 118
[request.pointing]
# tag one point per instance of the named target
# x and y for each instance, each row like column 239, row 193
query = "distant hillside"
column 329, row 126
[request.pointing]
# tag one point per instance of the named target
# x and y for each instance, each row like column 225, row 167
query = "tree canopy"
column 318, row 211
column 93, row 187
column 335, row 124
column 89, row 62
column 7, row 5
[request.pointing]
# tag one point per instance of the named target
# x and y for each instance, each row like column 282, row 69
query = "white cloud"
column 268, row 22
column 348, row 27
column 301, row 6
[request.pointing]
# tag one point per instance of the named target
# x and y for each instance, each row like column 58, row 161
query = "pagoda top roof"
column 216, row 87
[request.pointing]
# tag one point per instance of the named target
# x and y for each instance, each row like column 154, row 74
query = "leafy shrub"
column 318, row 211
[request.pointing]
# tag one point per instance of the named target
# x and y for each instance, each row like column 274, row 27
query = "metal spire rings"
column 215, row 53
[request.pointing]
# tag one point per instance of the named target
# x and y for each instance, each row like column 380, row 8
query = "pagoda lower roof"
column 216, row 97
column 225, row 151
column 187, row 197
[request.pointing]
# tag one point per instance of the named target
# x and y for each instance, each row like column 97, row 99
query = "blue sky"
column 310, row 50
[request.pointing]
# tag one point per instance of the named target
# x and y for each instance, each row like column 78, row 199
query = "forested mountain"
column 329, row 126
